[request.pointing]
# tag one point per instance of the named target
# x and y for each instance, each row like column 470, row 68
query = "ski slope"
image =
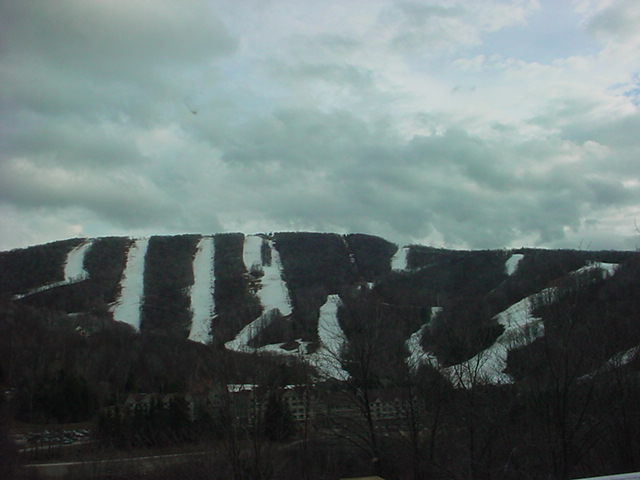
column 606, row 269
column 417, row 355
column 74, row 270
column 520, row 328
column 271, row 290
column 126, row 308
column 202, row 291
column 618, row 360
column 511, row 265
column 399, row 259
column 327, row 359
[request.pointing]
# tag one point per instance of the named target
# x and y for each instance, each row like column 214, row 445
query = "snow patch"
column 127, row 308
column 618, row 360
column 417, row 355
column 520, row 329
column 607, row 269
column 511, row 265
column 623, row 358
column 399, row 259
column 326, row 358
column 278, row 348
column 202, row 290
column 332, row 341
column 74, row 270
column 270, row 289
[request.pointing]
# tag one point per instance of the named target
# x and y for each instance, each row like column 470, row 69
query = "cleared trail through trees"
column 127, row 308
column 202, row 292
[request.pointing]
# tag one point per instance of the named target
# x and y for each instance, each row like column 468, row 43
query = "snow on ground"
column 272, row 291
column 622, row 476
column 201, row 293
column 127, row 308
column 399, row 259
column 417, row 355
column 622, row 358
column 511, row 265
column 241, row 387
column 618, row 360
column 278, row 348
column 607, row 269
column 332, row 341
column 74, row 271
column 520, row 328
column 74, row 267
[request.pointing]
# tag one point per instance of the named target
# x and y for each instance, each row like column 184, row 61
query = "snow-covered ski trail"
column 520, row 328
column 399, row 259
column 127, row 308
column 74, row 270
column 511, row 265
column 327, row 359
column 202, row 290
column 417, row 355
column 271, row 290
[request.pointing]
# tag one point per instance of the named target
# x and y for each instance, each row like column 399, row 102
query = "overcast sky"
column 455, row 123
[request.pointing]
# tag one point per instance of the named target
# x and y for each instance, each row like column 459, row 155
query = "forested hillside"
column 536, row 347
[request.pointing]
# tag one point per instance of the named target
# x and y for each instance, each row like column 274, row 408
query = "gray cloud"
column 618, row 21
column 119, row 118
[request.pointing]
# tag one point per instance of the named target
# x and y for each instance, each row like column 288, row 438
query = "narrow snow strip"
column 518, row 315
column 127, row 308
column 511, row 265
column 520, row 328
column 274, row 293
column 241, row 387
column 74, row 268
column 74, row 271
column 277, row 348
column 622, row 358
column 622, row 476
column 271, row 290
column 202, row 299
column 327, row 359
column 249, row 332
column 252, row 252
column 417, row 355
column 329, row 331
column 618, row 360
column 399, row 259
column 43, row 288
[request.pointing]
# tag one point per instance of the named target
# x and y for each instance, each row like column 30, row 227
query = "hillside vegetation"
column 495, row 363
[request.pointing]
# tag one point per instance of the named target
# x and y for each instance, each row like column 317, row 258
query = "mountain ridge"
column 267, row 292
